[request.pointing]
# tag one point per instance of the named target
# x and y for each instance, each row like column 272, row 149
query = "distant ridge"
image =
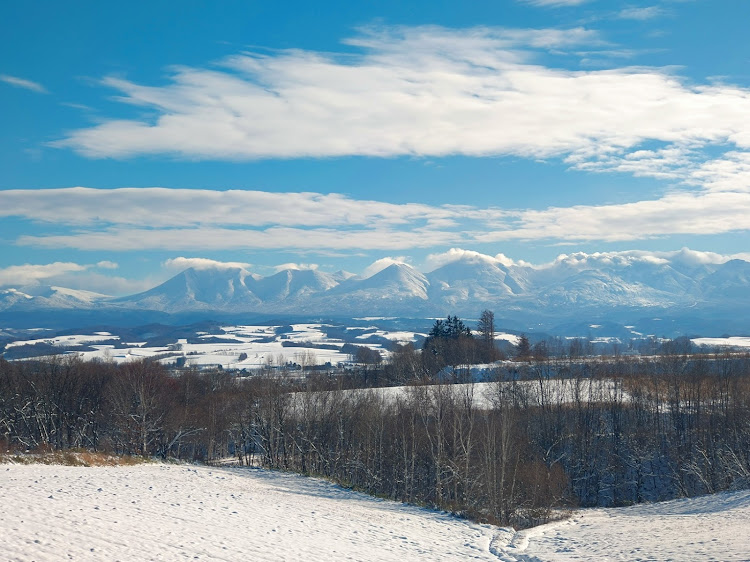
column 575, row 287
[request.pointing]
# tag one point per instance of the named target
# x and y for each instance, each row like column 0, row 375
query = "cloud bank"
column 72, row 275
column 28, row 274
column 130, row 219
column 430, row 91
column 182, row 263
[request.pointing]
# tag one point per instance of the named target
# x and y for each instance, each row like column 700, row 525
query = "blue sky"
column 138, row 137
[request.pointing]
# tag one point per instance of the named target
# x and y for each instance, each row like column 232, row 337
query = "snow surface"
column 711, row 527
column 732, row 341
column 173, row 512
column 512, row 338
column 261, row 344
column 395, row 336
column 178, row 512
column 74, row 340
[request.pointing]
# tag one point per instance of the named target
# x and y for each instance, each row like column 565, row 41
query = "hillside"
column 178, row 512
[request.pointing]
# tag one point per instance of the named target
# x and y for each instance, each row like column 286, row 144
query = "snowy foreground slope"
column 178, row 512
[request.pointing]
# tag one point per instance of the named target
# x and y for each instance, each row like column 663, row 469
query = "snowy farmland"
column 234, row 347
column 735, row 342
column 179, row 512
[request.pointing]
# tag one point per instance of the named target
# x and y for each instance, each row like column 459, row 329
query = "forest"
column 541, row 434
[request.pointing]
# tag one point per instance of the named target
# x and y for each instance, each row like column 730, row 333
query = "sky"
column 143, row 137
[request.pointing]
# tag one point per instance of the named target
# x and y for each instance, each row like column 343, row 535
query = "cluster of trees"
column 134, row 408
column 451, row 343
column 434, row 445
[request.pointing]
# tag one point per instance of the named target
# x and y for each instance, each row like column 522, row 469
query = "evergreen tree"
column 523, row 348
column 450, row 342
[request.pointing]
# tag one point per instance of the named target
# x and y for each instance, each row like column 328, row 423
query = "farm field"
column 235, row 347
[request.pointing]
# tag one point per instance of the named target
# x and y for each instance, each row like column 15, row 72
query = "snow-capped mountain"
column 397, row 281
column 605, row 286
column 596, row 289
column 198, row 289
column 293, row 284
column 397, row 287
column 48, row 297
column 731, row 282
column 474, row 278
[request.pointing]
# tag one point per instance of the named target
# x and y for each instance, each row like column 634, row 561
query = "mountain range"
column 577, row 287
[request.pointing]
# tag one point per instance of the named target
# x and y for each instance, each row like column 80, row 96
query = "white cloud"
column 642, row 13
column 106, row 284
column 74, row 276
column 298, row 266
column 695, row 257
column 132, row 219
column 502, row 259
column 182, row 263
column 584, row 260
column 317, row 239
column 379, row 265
column 423, row 91
column 731, row 172
column 28, row 274
column 427, row 91
column 675, row 213
column 625, row 258
column 128, row 219
column 23, row 83
column 193, row 207
column 434, row 261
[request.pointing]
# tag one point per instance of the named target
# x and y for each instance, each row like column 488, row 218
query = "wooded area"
column 546, row 434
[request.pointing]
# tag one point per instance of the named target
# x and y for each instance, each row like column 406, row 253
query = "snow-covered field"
column 711, row 527
column 178, row 512
column 169, row 512
column 258, row 345
column 68, row 341
column 732, row 341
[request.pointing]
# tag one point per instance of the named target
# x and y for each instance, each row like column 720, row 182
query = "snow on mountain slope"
column 399, row 289
column 731, row 281
column 178, row 512
column 630, row 268
column 10, row 298
column 196, row 289
column 626, row 284
column 473, row 277
column 47, row 297
column 293, row 284
column 397, row 281
column 593, row 288
column 74, row 294
column 342, row 275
